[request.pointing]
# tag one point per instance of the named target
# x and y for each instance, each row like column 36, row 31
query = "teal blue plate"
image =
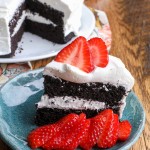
column 17, row 111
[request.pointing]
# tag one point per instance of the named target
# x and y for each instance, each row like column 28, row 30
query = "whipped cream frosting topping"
column 68, row 102
column 114, row 73
column 10, row 7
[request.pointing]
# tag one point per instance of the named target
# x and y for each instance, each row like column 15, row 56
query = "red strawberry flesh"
column 76, row 134
column 110, row 138
column 97, row 126
column 75, row 130
column 99, row 52
column 124, row 130
column 66, row 125
column 77, row 54
column 41, row 135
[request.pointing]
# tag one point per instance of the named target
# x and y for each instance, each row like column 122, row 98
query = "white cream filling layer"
column 68, row 102
column 34, row 17
column 37, row 18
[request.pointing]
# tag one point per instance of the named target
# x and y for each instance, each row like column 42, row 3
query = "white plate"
column 36, row 48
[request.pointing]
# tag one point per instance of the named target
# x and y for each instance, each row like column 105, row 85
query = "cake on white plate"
column 83, row 78
column 55, row 20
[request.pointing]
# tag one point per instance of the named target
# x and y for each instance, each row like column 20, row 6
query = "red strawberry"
column 56, row 142
column 77, row 54
column 63, row 121
column 99, row 52
column 124, row 130
column 42, row 135
column 97, row 126
column 76, row 134
column 109, row 135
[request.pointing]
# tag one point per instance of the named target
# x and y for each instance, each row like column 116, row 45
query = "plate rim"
column 33, row 58
column 124, row 147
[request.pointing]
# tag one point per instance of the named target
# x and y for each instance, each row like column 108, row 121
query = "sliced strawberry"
column 42, row 135
column 76, row 134
column 124, row 130
column 77, row 54
column 99, row 52
column 109, row 135
column 63, row 121
column 114, row 133
column 56, row 142
column 97, row 126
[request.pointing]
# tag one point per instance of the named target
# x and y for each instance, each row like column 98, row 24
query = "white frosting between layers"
column 114, row 73
column 72, row 13
column 72, row 18
column 37, row 18
column 73, row 103
column 34, row 17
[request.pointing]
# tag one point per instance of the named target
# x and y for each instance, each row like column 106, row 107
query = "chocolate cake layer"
column 49, row 32
column 56, row 87
column 17, row 38
column 46, row 11
column 48, row 115
column 107, row 93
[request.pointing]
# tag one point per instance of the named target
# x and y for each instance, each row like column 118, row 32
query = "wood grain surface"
column 130, row 25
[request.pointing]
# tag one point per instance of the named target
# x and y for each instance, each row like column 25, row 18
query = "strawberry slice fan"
column 103, row 130
column 84, row 55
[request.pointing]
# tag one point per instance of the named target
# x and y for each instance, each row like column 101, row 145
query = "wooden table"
column 130, row 25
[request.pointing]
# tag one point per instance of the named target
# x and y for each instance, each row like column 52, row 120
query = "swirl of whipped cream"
column 114, row 73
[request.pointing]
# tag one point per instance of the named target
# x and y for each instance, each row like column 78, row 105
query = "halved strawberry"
column 99, row 52
column 56, row 142
column 42, row 135
column 98, row 124
column 109, row 135
column 77, row 54
column 124, row 130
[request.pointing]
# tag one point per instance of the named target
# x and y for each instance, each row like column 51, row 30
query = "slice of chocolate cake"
column 55, row 20
column 83, row 78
